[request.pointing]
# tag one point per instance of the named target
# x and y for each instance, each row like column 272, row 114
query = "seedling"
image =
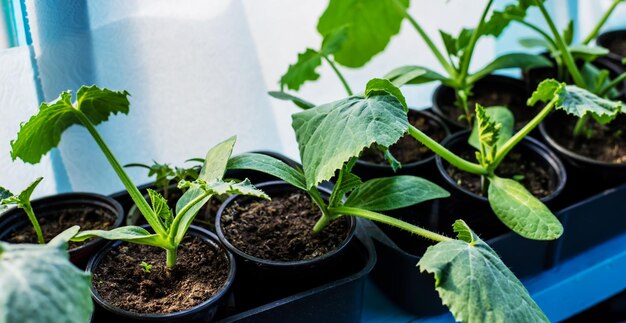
column 379, row 117
column 93, row 106
column 146, row 267
column 22, row 201
column 165, row 174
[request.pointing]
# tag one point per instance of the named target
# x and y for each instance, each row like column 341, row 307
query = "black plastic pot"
column 336, row 300
column 270, row 280
column 597, row 176
column 203, row 312
column 475, row 209
column 494, row 85
column 610, row 40
column 15, row 219
column 423, row 168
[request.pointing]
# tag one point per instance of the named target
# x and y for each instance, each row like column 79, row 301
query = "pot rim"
column 93, row 199
column 529, row 142
column 274, row 263
column 570, row 154
column 424, row 112
column 199, row 232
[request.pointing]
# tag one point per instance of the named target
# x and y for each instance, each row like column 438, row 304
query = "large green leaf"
column 414, row 75
column 514, row 60
column 521, row 211
column 39, row 284
column 43, row 131
column 303, row 104
column 498, row 115
column 578, row 102
column 269, row 165
column 330, row 134
column 132, row 234
column 370, row 23
column 303, row 70
column 389, row 193
column 475, row 284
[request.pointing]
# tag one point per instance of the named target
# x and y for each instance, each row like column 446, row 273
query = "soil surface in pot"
column 608, row 143
column 538, row 181
column 200, row 272
column 495, row 96
column 281, row 229
column 53, row 223
column 407, row 149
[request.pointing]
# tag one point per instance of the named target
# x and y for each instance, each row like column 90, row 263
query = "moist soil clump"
column 281, row 229
column 53, row 223
column 407, row 149
column 201, row 271
column 537, row 180
column 608, row 143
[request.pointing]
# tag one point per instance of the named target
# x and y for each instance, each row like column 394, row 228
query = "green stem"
column 605, row 90
column 567, row 56
column 176, row 222
column 326, row 217
column 469, row 51
column 442, row 60
column 33, row 220
column 374, row 216
column 134, row 193
column 449, row 156
column 580, row 126
column 601, row 23
column 341, row 78
column 515, row 139
column 171, row 257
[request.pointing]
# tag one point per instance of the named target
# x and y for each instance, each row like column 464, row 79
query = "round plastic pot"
column 203, row 312
column 260, row 281
column 425, row 168
column 475, row 209
column 15, row 219
column 444, row 98
column 587, row 176
column 606, row 40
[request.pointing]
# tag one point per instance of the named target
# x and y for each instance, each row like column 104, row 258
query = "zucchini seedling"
column 94, row 105
column 464, row 268
column 22, row 201
column 164, row 174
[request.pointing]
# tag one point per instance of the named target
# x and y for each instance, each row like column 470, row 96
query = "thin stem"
column 326, row 217
column 374, row 216
column 469, row 51
column 605, row 90
column 567, row 56
column 580, row 126
column 341, row 78
column 449, row 156
column 515, row 139
column 171, row 255
column 433, row 48
column 134, row 193
column 33, row 220
column 601, row 23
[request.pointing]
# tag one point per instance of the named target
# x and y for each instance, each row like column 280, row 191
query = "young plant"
column 146, row 267
column 22, row 201
column 565, row 53
column 165, row 174
column 39, row 284
column 379, row 116
column 94, row 105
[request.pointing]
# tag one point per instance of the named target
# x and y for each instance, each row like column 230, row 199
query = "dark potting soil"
column 53, row 223
column 407, row 149
column 608, row 143
column 538, row 181
column 618, row 46
column 492, row 96
column 281, row 229
column 200, row 272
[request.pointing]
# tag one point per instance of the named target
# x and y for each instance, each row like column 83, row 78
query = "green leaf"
column 475, row 284
column 330, row 134
column 414, row 75
column 588, row 53
column 498, row 115
column 244, row 187
column 334, row 40
column 61, row 240
column 449, row 43
column 216, row 159
column 578, row 102
column 161, row 209
column 269, row 165
column 521, row 211
column 389, row 193
column 305, row 105
column 499, row 20
column 132, row 234
column 513, row 60
column 545, row 91
column 346, row 183
column 464, row 233
column 371, row 24
column 568, row 33
column 303, row 70
column 533, row 42
column 487, row 135
column 39, row 284
column 4, row 193
column 43, row 131
column 374, row 86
